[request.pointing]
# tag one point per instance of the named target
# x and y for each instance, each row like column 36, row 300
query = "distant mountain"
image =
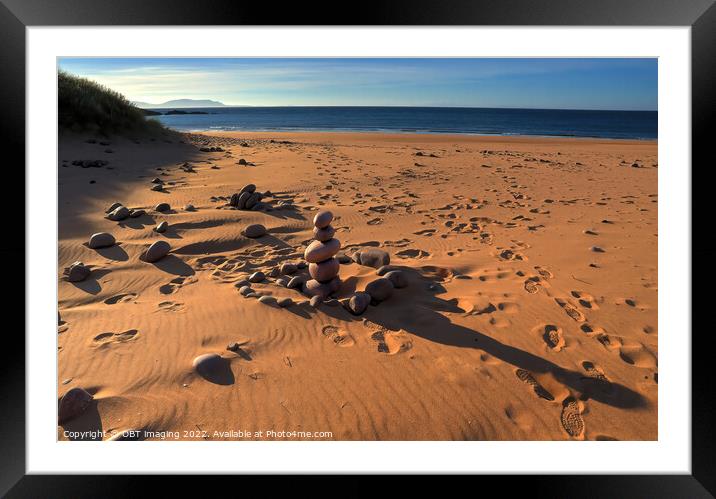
column 181, row 103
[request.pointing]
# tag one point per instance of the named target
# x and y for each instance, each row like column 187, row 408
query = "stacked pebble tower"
column 320, row 255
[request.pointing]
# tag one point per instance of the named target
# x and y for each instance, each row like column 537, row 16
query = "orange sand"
column 506, row 331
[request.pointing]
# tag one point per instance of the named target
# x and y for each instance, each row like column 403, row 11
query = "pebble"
column 288, row 268
column 77, row 272
column 157, row 251
column 189, row 207
column 72, row 404
column 267, row 300
column 243, row 197
column 113, row 207
column 137, row 213
column 255, row 230
column 241, row 283
column 157, row 187
column 323, row 234
column 372, row 257
column 380, row 289
column 385, row 269
column 322, row 219
column 257, row 277
column 162, row 227
column 315, row 301
column 119, row 213
column 344, row 259
column 285, row 302
column 161, row 207
column 250, row 188
column 210, row 366
column 157, row 180
column 245, row 290
column 398, row 278
column 296, row 282
column 358, row 302
column 282, row 281
column 101, row 240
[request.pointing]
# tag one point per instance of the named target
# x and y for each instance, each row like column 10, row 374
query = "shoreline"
column 415, row 136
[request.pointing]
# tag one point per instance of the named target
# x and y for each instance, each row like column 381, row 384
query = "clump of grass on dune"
column 85, row 105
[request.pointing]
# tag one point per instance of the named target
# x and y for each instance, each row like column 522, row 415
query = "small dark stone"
column 380, row 289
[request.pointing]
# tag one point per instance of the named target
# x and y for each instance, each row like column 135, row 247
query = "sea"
column 639, row 125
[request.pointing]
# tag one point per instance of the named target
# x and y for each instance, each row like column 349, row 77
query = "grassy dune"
column 84, row 105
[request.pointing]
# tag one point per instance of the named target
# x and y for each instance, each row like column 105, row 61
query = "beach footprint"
column 170, row 306
column 571, row 417
column 571, row 310
column 106, row 339
column 175, row 284
column 120, row 298
column 390, row 342
column 552, row 337
column 527, row 378
column 338, row 336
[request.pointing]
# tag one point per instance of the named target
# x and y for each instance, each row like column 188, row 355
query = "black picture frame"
column 16, row 15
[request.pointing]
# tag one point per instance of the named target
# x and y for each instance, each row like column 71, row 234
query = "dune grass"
column 85, row 105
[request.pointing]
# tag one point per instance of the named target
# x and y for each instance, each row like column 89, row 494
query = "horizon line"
column 395, row 106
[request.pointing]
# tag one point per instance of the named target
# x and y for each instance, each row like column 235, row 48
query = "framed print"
column 436, row 240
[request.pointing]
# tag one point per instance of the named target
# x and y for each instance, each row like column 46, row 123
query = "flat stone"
column 285, row 302
column 113, row 207
column 101, row 240
column 380, row 289
column 322, row 219
column 73, row 403
column 325, row 270
column 243, row 197
column 267, row 300
column 245, row 290
column 251, row 201
column 157, row 251
column 77, row 272
column 119, row 213
column 137, row 213
column 162, row 207
column 250, row 188
column 257, row 277
column 318, row 251
column 255, row 230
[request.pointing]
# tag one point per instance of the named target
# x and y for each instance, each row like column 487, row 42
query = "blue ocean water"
column 479, row 121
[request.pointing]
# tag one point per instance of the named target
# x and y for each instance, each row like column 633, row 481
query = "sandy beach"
column 529, row 311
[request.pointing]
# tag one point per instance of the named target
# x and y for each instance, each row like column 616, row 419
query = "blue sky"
column 588, row 83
